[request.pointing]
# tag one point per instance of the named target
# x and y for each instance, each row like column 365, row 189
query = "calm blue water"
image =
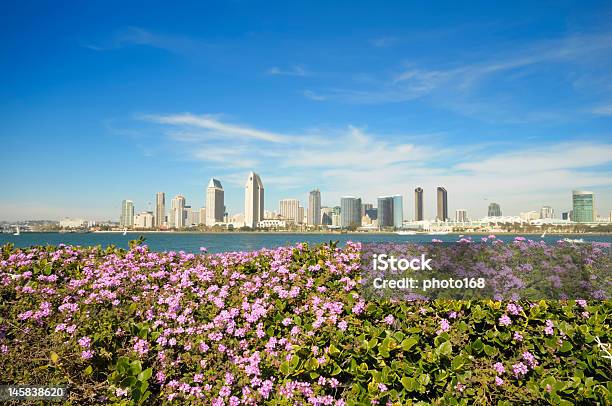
column 222, row 242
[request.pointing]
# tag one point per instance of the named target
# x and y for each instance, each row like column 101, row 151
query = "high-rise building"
column 127, row 213
column 202, row 215
column 253, row 200
column 442, row 213
column 215, row 203
column 372, row 213
column 547, row 212
column 301, row 215
column 290, row 209
column 326, row 216
column 461, row 215
column 583, row 206
column 177, row 212
column 365, row 207
column 385, row 211
column 314, row 208
column 398, row 211
column 160, row 209
column 494, row 210
column 565, row 215
column 192, row 216
column 350, row 212
column 418, row 204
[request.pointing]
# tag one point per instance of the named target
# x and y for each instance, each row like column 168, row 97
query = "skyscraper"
column 290, row 209
column 326, row 216
column 461, row 215
column 365, row 207
column 418, row 204
column 442, row 213
column 385, row 211
column 547, row 212
column 127, row 213
column 583, row 206
column 398, row 211
column 350, row 212
column 253, row 200
column 314, row 208
column 177, row 212
column 494, row 210
column 215, row 204
column 160, row 209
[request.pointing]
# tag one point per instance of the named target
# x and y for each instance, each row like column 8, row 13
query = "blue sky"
column 497, row 102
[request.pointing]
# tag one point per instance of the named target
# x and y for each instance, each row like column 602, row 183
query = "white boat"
column 439, row 233
column 575, row 241
column 543, row 235
column 406, row 232
column 17, row 232
column 125, row 231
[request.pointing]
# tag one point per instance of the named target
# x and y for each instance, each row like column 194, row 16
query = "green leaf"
column 445, row 349
column 566, row 346
column 408, row 343
column 54, row 357
column 135, row 367
column 88, row 370
column 145, row 375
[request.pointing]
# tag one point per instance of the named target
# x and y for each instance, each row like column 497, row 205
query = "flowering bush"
column 284, row 326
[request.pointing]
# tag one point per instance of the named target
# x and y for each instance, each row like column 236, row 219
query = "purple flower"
column 389, row 319
column 85, row 342
column 87, row 354
column 444, row 326
column 499, row 368
column 505, row 320
column 499, row 381
column 517, row 336
column 519, row 369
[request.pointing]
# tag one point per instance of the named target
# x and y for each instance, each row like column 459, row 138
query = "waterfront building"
column 202, row 216
column 326, row 216
column 461, row 216
column 272, row 223
column 314, row 208
column 289, row 209
column 127, row 214
column 301, row 215
column 494, row 210
column 144, row 220
column 192, row 216
column 398, row 211
column 442, row 212
column 385, row 211
column 67, row 223
column 215, row 202
column 418, row 204
column 350, row 212
column 160, row 209
column 547, row 212
column 364, row 207
column 583, row 206
column 372, row 213
column 177, row 212
column 253, row 200
column 336, row 220
column 565, row 215
column 529, row 215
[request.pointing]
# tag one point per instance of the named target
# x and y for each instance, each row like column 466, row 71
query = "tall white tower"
column 253, row 201
column 215, row 205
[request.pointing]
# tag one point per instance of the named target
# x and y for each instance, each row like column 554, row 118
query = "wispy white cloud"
column 295, row 70
column 383, row 42
column 313, row 96
column 602, row 110
column 353, row 160
column 131, row 36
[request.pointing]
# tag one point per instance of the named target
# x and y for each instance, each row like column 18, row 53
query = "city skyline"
column 495, row 106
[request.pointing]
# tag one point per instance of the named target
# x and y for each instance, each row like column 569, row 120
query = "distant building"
column 398, row 211
column 418, row 204
column 461, row 216
column 314, row 208
column 372, row 213
column 301, row 215
column 176, row 217
column 160, row 209
column 583, row 206
column 364, row 207
column 326, row 216
column 336, row 220
column 68, row 223
column 547, row 212
column 529, row 215
column 565, row 215
column 290, row 209
column 253, row 200
column 127, row 214
column 144, row 220
column 350, row 211
column 215, row 202
column 192, row 216
column 494, row 210
column 385, row 211
column 202, row 216
column 442, row 212
column 272, row 223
